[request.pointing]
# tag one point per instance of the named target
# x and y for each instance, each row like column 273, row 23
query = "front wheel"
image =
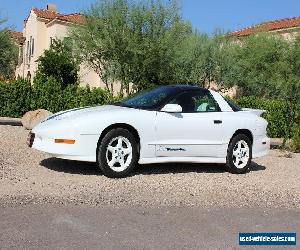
column 239, row 154
column 118, row 153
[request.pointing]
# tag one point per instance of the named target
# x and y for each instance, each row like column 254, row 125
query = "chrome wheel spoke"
column 244, row 160
column 235, row 153
column 127, row 151
column 111, row 149
column 112, row 162
column 121, row 161
column 120, row 141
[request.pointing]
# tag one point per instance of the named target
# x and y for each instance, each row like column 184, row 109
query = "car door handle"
column 217, row 121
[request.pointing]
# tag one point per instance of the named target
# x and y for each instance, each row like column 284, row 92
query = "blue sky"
column 206, row 15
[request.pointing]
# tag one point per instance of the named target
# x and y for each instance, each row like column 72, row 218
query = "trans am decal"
column 169, row 149
column 175, row 149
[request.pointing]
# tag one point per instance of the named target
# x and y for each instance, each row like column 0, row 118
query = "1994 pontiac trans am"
column 167, row 124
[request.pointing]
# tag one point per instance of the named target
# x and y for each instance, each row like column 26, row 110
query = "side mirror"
column 172, row 108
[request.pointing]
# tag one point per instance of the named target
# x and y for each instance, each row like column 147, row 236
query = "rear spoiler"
column 257, row 112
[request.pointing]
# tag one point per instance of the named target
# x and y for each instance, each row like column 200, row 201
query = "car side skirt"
column 182, row 159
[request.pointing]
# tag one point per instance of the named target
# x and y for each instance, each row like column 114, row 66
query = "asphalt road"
column 86, row 227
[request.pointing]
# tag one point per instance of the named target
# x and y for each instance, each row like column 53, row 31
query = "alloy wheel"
column 119, row 153
column 240, row 155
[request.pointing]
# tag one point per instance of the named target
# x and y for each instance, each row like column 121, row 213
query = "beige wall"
column 89, row 77
column 57, row 31
column 30, row 30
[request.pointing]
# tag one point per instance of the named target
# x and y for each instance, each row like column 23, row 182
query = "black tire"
column 103, row 154
column 232, row 160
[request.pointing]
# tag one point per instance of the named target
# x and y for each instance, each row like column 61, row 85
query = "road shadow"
column 71, row 167
column 89, row 168
column 175, row 168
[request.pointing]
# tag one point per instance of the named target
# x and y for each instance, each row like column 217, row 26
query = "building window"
column 30, row 42
column 32, row 46
column 27, row 52
column 20, row 60
column 29, row 49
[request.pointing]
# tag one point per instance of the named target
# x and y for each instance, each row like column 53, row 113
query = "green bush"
column 59, row 63
column 53, row 96
column 277, row 117
column 18, row 97
column 76, row 96
column 15, row 98
column 47, row 94
column 275, row 114
column 294, row 144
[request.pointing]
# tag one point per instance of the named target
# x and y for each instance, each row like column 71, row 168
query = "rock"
column 32, row 118
column 276, row 142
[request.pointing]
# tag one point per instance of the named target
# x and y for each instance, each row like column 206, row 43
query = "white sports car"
column 167, row 124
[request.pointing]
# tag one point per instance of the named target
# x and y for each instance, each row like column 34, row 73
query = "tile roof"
column 269, row 26
column 52, row 15
column 73, row 18
column 45, row 13
column 17, row 36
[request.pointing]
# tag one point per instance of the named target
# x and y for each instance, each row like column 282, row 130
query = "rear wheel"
column 118, row 153
column 239, row 154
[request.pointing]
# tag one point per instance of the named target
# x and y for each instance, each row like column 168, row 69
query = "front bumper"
column 84, row 148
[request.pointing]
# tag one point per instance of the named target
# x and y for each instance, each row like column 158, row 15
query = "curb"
column 10, row 121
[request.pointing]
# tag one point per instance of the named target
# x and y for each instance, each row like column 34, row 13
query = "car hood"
column 78, row 112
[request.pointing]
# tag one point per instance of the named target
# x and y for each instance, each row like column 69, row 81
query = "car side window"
column 196, row 102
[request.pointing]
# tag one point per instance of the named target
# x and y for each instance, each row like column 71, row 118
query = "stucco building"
column 40, row 28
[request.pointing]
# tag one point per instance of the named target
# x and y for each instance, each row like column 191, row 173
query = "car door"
column 194, row 132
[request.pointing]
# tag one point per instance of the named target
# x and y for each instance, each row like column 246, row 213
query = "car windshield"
column 149, row 99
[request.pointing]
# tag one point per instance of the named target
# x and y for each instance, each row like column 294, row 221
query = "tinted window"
column 196, row 101
column 150, row 99
column 232, row 105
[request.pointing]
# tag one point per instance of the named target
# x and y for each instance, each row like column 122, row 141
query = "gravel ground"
column 31, row 177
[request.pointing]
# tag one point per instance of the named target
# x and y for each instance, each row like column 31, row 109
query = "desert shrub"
column 77, row 96
column 53, row 96
column 18, row 97
column 8, row 53
column 59, row 63
column 275, row 114
column 277, row 117
column 15, row 98
column 47, row 93
column 294, row 143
